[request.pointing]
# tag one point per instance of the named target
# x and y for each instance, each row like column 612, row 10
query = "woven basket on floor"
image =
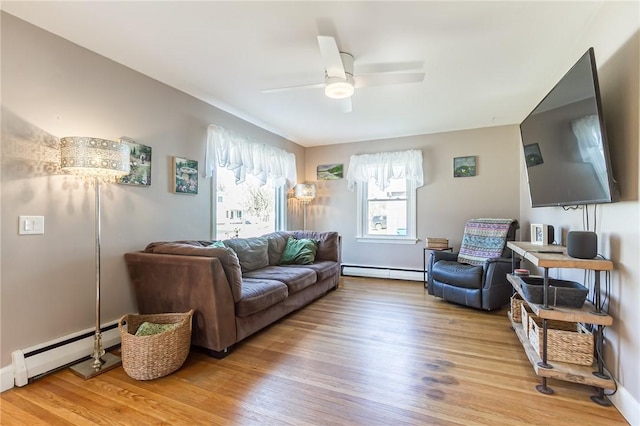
column 154, row 356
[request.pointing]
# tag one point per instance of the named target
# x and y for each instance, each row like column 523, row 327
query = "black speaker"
column 582, row 244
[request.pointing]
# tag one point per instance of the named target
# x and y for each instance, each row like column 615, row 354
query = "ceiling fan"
column 340, row 81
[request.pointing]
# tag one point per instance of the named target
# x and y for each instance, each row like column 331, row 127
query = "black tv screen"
column 565, row 144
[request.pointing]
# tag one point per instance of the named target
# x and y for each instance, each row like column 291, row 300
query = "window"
column 386, row 183
column 252, row 178
column 387, row 215
column 248, row 209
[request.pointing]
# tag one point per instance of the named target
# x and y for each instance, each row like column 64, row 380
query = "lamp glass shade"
column 305, row 191
column 92, row 157
column 339, row 89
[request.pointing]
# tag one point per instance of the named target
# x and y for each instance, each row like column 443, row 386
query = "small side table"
column 424, row 261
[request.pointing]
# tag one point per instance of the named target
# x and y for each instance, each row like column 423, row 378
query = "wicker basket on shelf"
column 153, row 356
column 566, row 341
column 516, row 306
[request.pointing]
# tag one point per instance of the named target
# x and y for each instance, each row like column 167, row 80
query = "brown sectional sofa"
column 235, row 290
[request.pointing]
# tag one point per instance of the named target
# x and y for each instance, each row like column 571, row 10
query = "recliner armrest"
column 442, row 255
column 495, row 271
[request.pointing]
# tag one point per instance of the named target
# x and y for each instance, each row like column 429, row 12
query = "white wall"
column 444, row 203
column 52, row 88
column 616, row 40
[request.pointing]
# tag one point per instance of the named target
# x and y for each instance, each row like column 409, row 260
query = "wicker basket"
column 516, row 306
column 566, row 341
column 154, row 356
column 525, row 313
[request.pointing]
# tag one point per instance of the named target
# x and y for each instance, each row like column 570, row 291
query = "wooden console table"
column 547, row 257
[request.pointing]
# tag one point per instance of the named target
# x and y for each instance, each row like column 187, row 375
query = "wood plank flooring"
column 374, row 352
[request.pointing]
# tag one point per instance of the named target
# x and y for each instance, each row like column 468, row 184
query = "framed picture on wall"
column 464, row 166
column 140, row 160
column 330, row 171
column 539, row 234
column 185, row 176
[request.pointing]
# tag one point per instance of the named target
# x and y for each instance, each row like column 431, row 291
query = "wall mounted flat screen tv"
column 565, row 144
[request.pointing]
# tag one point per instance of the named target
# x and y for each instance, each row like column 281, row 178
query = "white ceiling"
column 486, row 63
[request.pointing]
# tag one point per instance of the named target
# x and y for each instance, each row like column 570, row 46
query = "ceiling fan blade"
column 331, row 56
column 304, row 86
column 389, row 67
column 345, row 105
column 388, row 79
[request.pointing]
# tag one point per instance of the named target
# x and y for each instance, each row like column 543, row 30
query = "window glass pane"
column 387, row 210
column 244, row 210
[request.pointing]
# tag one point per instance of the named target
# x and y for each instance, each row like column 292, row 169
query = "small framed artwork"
column 539, row 234
column 330, row 171
column 185, row 176
column 532, row 155
column 464, row 166
column 140, row 159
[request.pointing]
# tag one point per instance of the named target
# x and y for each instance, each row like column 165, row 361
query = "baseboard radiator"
column 30, row 363
column 382, row 272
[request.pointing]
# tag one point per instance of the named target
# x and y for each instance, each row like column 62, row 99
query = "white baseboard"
column 6, row 378
column 627, row 405
column 377, row 272
column 50, row 356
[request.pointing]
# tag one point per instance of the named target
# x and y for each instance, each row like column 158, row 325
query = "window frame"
column 363, row 235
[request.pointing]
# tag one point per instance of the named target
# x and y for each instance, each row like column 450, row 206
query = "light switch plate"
column 31, row 225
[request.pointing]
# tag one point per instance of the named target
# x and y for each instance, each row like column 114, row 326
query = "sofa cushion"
column 299, row 252
column 328, row 243
column 259, row 294
column 324, row 269
column 253, row 253
column 457, row 274
column 295, row 277
column 227, row 257
column 277, row 242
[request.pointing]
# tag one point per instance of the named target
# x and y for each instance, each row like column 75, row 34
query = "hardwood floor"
column 374, row 352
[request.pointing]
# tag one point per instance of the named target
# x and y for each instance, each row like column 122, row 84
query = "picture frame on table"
column 539, row 234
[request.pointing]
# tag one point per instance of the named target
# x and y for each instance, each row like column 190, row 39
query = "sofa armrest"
column 166, row 283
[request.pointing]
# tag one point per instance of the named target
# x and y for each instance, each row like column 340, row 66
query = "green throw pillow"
column 299, row 252
column 217, row 244
column 149, row 328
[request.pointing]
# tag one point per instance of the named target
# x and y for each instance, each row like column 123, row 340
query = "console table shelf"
column 552, row 256
column 585, row 314
column 561, row 370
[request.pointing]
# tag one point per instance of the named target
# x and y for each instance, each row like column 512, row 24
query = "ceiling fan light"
column 339, row 89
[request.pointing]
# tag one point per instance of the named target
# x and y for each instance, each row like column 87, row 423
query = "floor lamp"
column 100, row 160
column 305, row 192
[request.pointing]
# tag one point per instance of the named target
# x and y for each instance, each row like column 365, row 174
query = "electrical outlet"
column 31, row 225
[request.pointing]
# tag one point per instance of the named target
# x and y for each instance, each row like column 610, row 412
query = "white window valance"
column 383, row 166
column 243, row 156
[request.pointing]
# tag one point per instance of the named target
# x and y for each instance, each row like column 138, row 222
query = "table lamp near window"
column 305, row 192
column 101, row 161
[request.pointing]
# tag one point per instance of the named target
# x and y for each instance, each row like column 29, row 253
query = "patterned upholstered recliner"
column 476, row 276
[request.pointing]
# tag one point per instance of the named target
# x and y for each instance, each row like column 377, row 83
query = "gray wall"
column 52, row 88
column 444, row 203
column 616, row 40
